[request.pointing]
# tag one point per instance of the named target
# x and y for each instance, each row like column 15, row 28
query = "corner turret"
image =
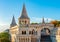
column 13, row 23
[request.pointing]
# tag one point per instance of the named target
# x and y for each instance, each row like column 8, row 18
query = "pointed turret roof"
column 13, row 23
column 24, row 13
column 43, row 20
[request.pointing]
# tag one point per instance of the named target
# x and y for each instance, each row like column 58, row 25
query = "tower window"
column 20, row 22
column 25, row 22
column 23, row 32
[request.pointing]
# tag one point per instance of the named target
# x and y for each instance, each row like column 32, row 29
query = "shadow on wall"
column 53, row 34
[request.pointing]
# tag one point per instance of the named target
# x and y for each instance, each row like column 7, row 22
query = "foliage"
column 4, row 37
column 56, row 23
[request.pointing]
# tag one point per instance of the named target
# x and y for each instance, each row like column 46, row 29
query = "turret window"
column 20, row 22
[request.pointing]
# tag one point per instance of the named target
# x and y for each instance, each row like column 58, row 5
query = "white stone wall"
column 38, row 36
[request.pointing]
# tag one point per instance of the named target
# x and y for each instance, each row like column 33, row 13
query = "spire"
column 13, row 23
column 43, row 20
column 24, row 13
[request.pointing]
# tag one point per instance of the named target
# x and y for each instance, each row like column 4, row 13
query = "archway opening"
column 45, row 35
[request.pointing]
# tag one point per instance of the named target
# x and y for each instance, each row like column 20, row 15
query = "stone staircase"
column 45, row 38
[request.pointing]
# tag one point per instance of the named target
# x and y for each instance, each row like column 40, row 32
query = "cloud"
column 4, row 27
column 2, row 22
column 39, row 20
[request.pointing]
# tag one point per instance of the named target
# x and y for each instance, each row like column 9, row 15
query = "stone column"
column 38, row 39
column 17, row 40
column 27, row 39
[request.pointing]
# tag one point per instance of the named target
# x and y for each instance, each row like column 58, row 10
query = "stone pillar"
column 17, row 39
column 27, row 39
column 27, row 31
column 38, row 38
column 20, row 39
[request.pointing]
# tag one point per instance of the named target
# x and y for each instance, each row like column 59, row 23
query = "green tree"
column 4, row 37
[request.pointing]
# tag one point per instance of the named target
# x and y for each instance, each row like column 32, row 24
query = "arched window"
column 23, row 32
column 33, row 31
column 20, row 22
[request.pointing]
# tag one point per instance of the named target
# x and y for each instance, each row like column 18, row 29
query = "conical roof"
column 24, row 13
column 13, row 23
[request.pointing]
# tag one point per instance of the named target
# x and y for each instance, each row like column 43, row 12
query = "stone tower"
column 24, row 19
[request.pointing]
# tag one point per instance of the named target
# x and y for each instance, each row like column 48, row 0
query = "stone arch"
column 45, row 31
column 45, row 35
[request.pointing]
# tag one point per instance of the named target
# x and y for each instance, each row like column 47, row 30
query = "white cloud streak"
column 39, row 20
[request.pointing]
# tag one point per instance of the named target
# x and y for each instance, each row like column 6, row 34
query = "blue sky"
column 36, row 9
